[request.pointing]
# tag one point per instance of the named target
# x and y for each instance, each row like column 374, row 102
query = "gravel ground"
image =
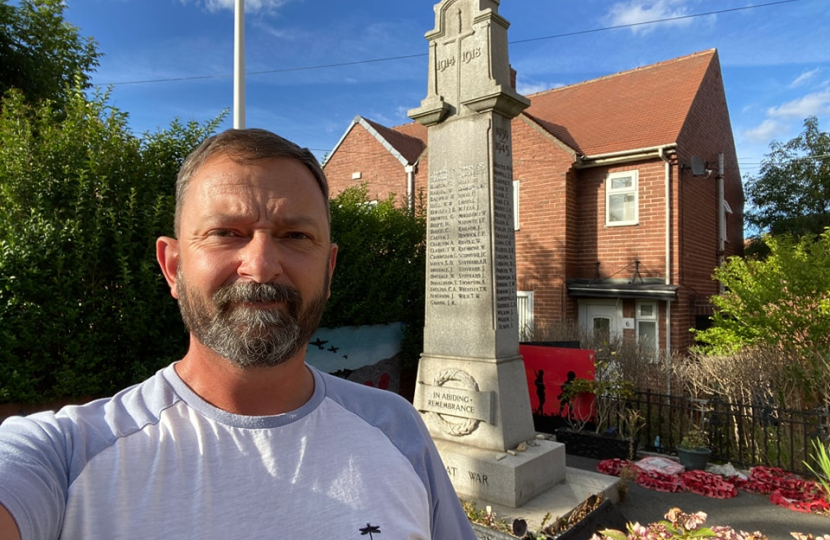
column 747, row 512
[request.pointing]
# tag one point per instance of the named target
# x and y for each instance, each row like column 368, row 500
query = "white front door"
column 602, row 319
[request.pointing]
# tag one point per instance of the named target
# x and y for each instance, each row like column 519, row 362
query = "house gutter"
column 624, row 156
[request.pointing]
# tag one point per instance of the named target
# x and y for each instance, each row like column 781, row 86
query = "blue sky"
column 775, row 58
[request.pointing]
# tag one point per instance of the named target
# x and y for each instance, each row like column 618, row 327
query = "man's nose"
column 261, row 258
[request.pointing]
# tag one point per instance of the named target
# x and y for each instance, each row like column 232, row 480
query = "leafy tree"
column 781, row 302
column 791, row 194
column 41, row 54
column 380, row 275
column 84, row 310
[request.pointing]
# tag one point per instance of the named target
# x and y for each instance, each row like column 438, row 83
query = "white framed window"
column 648, row 337
column 515, row 205
column 524, row 307
column 621, row 204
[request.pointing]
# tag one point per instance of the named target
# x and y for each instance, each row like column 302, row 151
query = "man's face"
column 253, row 260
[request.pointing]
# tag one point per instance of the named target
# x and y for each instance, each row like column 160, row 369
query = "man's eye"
column 223, row 233
column 296, row 235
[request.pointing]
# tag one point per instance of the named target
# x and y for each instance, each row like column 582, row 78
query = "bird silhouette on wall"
column 319, row 343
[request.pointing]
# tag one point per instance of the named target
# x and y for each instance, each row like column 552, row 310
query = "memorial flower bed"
column 593, row 514
column 583, row 521
column 678, row 525
column 784, row 489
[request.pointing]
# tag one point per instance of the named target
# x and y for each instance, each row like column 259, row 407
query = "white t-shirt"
column 158, row 462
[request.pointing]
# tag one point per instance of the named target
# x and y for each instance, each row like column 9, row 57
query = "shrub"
column 84, row 310
column 380, row 276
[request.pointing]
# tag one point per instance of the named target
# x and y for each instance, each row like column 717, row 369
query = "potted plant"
column 614, row 430
column 694, row 450
column 822, row 471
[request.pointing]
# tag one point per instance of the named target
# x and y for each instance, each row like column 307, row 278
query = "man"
column 239, row 439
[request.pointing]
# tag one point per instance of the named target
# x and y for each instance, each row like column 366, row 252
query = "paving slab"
column 561, row 499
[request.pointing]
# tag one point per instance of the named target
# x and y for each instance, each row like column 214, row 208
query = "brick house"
column 627, row 195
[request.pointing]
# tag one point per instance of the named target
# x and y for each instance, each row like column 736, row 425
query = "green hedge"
column 380, row 271
column 84, row 310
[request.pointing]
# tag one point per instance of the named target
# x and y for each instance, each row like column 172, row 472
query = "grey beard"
column 251, row 337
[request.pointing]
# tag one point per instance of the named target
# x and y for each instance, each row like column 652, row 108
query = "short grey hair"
column 246, row 146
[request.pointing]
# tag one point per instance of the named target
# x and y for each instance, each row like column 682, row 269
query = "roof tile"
column 640, row 108
column 404, row 141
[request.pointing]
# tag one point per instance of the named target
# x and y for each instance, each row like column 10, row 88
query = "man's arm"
column 33, row 476
column 8, row 528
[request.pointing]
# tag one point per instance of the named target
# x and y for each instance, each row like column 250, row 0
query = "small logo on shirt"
column 370, row 530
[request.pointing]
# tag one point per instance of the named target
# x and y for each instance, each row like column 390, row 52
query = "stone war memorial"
column 471, row 385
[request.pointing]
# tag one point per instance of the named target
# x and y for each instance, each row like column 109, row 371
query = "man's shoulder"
column 378, row 407
column 108, row 418
column 342, row 389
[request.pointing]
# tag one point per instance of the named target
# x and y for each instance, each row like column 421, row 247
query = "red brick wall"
column 706, row 133
column 543, row 249
column 380, row 170
column 617, row 248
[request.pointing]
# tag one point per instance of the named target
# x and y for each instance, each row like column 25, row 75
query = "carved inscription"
column 444, row 65
column 451, row 402
column 466, row 57
column 478, row 478
column 457, row 402
column 458, row 233
column 503, row 143
column 474, row 477
column 504, row 262
column 458, row 257
column 455, row 53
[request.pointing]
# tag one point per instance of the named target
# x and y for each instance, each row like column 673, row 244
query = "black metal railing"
column 744, row 434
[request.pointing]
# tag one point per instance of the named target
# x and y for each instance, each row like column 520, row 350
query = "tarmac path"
column 747, row 512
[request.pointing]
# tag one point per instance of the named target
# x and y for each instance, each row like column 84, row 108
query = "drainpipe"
column 664, row 156
column 721, row 217
column 410, row 187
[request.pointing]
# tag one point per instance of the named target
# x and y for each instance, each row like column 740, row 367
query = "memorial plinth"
column 471, row 385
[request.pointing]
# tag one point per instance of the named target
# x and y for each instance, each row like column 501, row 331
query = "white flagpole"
column 239, row 66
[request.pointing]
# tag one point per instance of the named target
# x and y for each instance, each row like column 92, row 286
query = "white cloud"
column 526, row 89
column 640, row 11
column 810, row 105
column 251, row 6
column 804, row 78
column 282, row 34
column 765, row 132
column 401, row 111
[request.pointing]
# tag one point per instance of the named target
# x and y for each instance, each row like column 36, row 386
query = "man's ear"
column 331, row 265
column 167, row 254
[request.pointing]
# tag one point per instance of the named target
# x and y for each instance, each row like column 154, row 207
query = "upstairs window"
column 621, row 198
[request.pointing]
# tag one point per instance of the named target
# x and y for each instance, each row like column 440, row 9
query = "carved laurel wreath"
column 457, row 427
